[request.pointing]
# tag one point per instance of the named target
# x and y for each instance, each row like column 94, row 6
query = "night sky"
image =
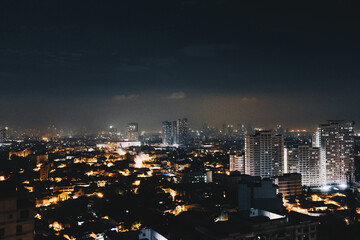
column 96, row 63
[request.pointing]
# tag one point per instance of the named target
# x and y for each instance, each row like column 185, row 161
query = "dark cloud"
column 126, row 97
column 225, row 60
column 132, row 68
column 209, row 50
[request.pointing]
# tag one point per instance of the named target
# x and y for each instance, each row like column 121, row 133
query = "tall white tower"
column 336, row 142
column 264, row 154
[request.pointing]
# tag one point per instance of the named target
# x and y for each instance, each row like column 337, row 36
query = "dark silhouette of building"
column 183, row 131
column 16, row 214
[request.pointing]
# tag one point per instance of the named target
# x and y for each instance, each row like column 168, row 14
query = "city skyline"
column 241, row 128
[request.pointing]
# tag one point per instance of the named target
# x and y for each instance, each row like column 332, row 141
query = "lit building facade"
column 195, row 176
column 2, row 135
column 336, row 141
column 289, row 184
column 305, row 160
column 166, row 132
column 182, row 131
column 44, row 171
column 264, row 154
column 237, row 163
column 174, row 133
column 132, row 132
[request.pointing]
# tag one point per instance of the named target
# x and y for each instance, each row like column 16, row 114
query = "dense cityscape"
column 236, row 182
column 179, row 120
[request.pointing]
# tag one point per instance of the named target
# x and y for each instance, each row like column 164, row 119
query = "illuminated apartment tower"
column 2, row 135
column 132, row 132
column 182, row 131
column 306, row 161
column 336, row 142
column 237, row 163
column 264, row 154
column 167, row 132
column 174, row 133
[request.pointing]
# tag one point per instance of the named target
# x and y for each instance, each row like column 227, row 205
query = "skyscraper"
column 305, row 160
column 3, row 134
column 241, row 129
column 249, row 129
column 174, row 133
column 182, row 131
column 264, row 154
column 336, row 142
column 166, row 132
column 112, row 131
column 132, row 132
column 227, row 129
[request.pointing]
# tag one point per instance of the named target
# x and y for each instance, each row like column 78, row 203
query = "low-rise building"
column 261, row 194
column 289, row 184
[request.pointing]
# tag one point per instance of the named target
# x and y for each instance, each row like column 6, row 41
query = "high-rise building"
column 249, row 129
column 182, row 131
column 336, row 142
column 279, row 130
column 305, row 160
column 132, row 132
column 166, row 132
column 237, row 163
column 241, row 129
column 227, row 129
column 112, row 131
column 264, row 154
column 174, row 133
column 3, row 134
